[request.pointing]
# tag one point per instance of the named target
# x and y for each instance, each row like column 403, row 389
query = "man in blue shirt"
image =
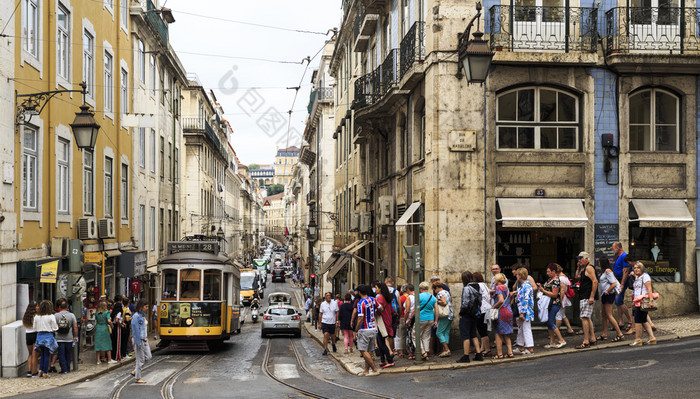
column 622, row 272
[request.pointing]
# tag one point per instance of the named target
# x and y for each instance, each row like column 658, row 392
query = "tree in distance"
column 275, row 189
column 253, row 166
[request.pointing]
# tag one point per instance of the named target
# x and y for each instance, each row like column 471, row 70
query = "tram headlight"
column 207, row 330
column 170, row 331
column 242, row 297
column 189, row 321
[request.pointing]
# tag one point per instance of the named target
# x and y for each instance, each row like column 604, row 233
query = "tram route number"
column 163, row 314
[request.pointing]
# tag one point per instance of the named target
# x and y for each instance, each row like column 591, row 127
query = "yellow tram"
column 198, row 295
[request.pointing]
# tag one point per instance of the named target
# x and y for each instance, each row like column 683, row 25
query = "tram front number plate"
column 281, row 325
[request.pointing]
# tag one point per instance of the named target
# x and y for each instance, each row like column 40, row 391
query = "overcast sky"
column 257, row 113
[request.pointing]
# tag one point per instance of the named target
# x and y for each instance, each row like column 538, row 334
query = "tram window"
column 169, row 284
column 189, row 284
column 212, row 285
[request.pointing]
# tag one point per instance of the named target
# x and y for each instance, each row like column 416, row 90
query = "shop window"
column 190, row 284
column 661, row 250
column 212, row 285
column 653, row 121
column 536, row 118
column 169, row 284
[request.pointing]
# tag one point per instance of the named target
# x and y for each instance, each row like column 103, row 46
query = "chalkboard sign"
column 606, row 234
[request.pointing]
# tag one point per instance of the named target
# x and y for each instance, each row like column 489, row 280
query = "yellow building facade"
column 285, row 159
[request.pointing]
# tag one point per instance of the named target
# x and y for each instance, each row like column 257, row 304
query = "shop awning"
column 350, row 247
column 542, row 212
column 329, row 263
column 403, row 220
column 337, row 267
column 113, row 253
column 660, row 213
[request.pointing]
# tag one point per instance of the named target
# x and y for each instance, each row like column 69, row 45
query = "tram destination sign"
column 211, row 247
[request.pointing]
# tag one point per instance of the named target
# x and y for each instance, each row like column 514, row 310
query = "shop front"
column 538, row 231
column 41, row 276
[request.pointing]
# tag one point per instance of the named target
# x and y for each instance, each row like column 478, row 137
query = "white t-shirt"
column 328, row 311
column 565, row 283
column 485, row 297
column 639, row 287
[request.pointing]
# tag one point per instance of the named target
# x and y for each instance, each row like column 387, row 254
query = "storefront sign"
column 92, row 257
column 605, row 235
column 49, row 272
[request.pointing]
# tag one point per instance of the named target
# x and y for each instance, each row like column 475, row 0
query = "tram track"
column 166, row 389
column 265, row 366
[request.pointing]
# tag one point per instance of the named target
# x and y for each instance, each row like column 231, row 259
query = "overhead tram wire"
column 253, row 24
column 296, row 91
column 10, row 19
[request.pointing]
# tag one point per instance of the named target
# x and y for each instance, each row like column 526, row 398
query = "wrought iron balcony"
column 201, row 125
column 325, row 94
column 156, row 22
column 543, row 28
column 368, row 88
column 653, row 29
column 412, row 47
column 390, row 71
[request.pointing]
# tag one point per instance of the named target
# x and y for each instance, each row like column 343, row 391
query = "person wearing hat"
column 588, row 293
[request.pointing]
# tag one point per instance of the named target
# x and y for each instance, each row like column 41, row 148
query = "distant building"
column 264, row 175
column 285, row 159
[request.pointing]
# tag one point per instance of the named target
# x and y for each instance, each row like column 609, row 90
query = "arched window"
column 653, row 121
column 537, row 118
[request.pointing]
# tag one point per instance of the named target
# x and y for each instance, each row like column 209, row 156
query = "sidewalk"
column 88, row 369
column 667, row 329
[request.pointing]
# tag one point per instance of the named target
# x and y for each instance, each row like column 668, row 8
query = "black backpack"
column 473, row 307
column 63, row 325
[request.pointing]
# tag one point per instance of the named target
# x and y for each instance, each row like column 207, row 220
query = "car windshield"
column 281, row 311
column 247, row 282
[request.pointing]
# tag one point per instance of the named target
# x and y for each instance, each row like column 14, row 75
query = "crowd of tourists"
column 52, row 331
column 382, row 316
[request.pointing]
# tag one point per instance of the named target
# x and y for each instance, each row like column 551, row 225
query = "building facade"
column 264, row 175
column 285, row 159
column 571, row 144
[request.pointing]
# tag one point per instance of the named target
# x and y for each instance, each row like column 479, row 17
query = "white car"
column 281, row 319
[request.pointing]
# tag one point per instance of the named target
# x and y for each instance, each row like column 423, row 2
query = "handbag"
column 492, row 314
column 443, row 311
column 110, row 328
column 648, row 305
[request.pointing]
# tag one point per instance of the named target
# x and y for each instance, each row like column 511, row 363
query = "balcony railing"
column 653, row 29
column 156, row 22
column 412, row 47
column 202, row 125
column 325, row 94
column 543, row 28
column 368, row 88
column 390, row 71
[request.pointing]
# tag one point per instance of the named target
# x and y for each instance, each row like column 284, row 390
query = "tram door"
column 232, row 295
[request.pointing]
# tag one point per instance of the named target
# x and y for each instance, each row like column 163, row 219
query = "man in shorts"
column 366, row 329
column 588, row 288
column 328, row 313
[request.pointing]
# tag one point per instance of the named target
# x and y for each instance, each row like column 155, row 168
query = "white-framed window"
column 89, row 62
column 653, row 119
column 63, row 42
column 142, row 227
column 125, row 191
column 63, row 172
column 109, row 83
column 161, row 77
column 88, row 182
column 142, row 147
column 109, row 5
column 109, row 187
column 30, row 172
column 124, row 90
column 31, row 27
column 537, row 118
column 124, row 13
column 153, row 74
column 153, row 228
column 153, row 150
column 142, row 60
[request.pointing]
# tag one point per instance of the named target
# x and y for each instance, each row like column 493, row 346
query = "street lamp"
column 475, row 55
column 220, row 234
column 312, row 228
column 84, row 127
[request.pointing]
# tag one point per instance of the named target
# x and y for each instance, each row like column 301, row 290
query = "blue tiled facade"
column 606, row 188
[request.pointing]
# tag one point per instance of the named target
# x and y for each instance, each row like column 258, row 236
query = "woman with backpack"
column 471, row 306
column 552, row 289
column 45, row 325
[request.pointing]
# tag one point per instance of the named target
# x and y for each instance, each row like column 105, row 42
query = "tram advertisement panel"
column 190, row 314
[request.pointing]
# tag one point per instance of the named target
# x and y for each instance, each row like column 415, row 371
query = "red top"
column 386, row 312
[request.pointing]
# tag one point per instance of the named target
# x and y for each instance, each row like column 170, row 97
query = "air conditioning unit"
column 355, row 221
column 106, row 228
column 87, row 228
column 386, row 210
column 59, row 247
column 363, row 194
column 365, row 222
